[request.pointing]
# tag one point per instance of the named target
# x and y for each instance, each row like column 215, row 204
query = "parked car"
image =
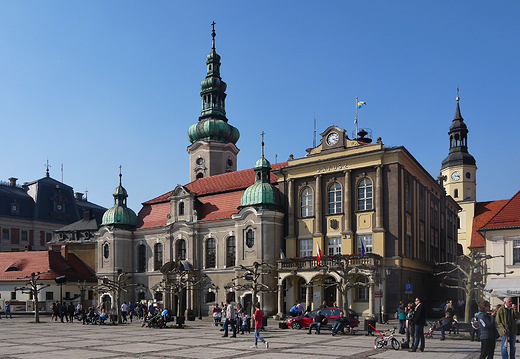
column 331, row 314
column 435, row 310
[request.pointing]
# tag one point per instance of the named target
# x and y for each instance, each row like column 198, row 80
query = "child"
column 244, row 327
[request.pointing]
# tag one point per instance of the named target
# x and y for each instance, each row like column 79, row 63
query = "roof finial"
column 213, row 34
column 47, row 165
column 263, row 133
column 120, row 175
column 458, row 98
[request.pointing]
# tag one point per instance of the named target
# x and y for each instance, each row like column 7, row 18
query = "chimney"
column 65, row 252
column 79, row 196
column 12, row 181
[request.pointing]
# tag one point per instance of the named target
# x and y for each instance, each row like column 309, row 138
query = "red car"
column 331, row 314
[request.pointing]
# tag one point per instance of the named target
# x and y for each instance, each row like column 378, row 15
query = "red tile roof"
column 50, row 263
column 508, row 216
column 219, row 197
column 484, row 211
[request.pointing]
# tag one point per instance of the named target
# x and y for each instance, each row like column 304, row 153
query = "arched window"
column 250, row 238
column 231, row 252
column 181, row 250
column 211, row 253
column 335, row 198
column 141, row 260
column 365, row 194
column 181, row 208
column 106, row 250
column 456, row 193
column 158, row 256
column 306, row 202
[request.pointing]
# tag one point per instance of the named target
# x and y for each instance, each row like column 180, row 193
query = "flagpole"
column 357, row 107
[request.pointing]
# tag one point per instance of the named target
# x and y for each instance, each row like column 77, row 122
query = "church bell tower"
column 212, row 150
column 459, row 171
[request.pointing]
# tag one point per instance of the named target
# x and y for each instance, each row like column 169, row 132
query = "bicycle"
column 385, row 339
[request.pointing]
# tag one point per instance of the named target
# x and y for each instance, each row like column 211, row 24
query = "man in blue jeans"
column 447, row 322
column 318, row 321
column 506, row 321
column 419, row 321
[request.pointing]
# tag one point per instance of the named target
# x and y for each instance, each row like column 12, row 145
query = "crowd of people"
column 239, row 321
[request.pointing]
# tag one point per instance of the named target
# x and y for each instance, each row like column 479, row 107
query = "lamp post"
column 388, row 271
column 82, row 288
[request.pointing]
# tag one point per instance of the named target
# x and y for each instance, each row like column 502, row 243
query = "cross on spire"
column 213, row 34
column 458, row 98
column 120, row 175
column 263, row 133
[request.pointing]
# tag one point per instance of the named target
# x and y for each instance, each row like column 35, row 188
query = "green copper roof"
column 262, row 162
column 260, row 194
column 120, row 216
column 212, row 125
column 212, row 129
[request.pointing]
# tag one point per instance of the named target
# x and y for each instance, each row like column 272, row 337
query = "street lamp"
column 82, row 288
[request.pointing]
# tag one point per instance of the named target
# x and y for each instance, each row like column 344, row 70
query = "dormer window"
column 181, row 209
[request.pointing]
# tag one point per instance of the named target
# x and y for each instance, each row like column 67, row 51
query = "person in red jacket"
column 258, row 317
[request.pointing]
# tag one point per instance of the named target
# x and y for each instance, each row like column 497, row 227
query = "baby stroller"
column 217, row 319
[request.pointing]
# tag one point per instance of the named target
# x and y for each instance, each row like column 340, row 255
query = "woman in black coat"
column 487, row 327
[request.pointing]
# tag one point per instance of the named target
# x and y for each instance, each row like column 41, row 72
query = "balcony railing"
column 308, row 263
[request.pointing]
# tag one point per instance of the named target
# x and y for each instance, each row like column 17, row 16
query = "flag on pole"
column 362, row 248
column 361, row 104
column 282, row 256
column 318, row 251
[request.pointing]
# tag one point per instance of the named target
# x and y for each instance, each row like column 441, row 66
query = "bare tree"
column 350, row 272
column 250, row 280
column 467, row 274
column 33, row 288
column 116, row 287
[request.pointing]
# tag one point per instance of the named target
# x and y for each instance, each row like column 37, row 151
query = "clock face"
column 455, row 176
column 332, row 138
column 200, row 160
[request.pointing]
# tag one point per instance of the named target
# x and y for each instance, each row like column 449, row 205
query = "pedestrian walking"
column 507, row 328
column 8, row 310
column 258, row 317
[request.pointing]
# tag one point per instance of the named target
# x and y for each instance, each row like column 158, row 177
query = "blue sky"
column 94, row 85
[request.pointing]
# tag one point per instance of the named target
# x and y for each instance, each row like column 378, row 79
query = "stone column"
column 308, row 299
column 379, row 197
column 318, row 207
column 291, row 209
column 280, row 299
column 371, row 297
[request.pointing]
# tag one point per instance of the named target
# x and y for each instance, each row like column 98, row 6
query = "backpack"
column 474, row 322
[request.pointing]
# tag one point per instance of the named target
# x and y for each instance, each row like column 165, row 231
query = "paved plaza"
column 22, row 339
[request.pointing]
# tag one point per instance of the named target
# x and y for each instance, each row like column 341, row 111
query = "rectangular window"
column 31, row 295
column 13, row 295
column 334, row 246
column 516, row 252
column 363, row 292
column 366, row 241
column 67, row 295
column 25, row 236
column 306, row 248
column 90, row 295
column 49, row 295
column 5, row 233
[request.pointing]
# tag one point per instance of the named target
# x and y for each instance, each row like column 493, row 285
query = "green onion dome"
column 212, row 129
column 120, row 216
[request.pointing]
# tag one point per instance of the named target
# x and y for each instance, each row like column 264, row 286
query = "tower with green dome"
column 120, row 216
column 262, row 194
column 213, row 148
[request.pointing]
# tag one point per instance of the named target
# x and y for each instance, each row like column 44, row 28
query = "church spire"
column 458, row 133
